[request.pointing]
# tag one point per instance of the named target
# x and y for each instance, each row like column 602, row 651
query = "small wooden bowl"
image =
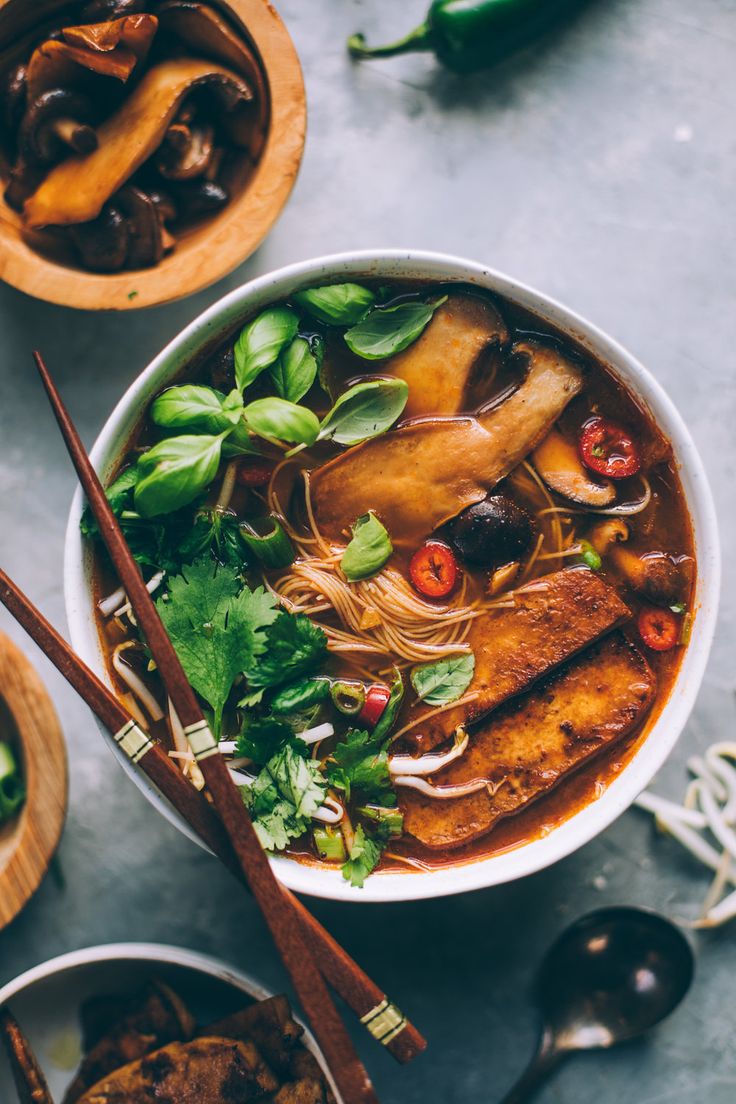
column 208, row 251
column 29, row 723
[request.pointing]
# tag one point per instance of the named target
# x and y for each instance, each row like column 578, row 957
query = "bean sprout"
column 134, row 682
column 445, row 793
column 706, row 817
column 409, row 765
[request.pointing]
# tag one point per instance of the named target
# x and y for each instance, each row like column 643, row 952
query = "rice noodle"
column 380, row 616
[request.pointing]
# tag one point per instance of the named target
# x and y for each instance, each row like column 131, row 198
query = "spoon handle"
column 543, row 1062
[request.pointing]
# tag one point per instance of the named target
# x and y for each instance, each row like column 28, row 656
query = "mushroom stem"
column 78, row 136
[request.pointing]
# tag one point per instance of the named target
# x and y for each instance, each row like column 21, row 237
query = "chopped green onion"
column 12, row 790
column 348, row 697
column 329, row 843
column 687, row 630
column 273, row 549
column 392, row 819
column 589, row 556
column 679, row 607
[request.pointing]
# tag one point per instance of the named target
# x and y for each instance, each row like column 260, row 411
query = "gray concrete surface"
column 599, row 167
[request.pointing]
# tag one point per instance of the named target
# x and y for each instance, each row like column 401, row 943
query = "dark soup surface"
column 427, row 565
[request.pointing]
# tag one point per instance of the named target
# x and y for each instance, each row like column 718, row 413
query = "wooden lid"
column 28, row 721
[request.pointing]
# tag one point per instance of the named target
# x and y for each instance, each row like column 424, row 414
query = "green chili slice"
column 273, row 547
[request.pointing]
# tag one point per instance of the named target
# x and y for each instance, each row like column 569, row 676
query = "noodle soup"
column 427, row 564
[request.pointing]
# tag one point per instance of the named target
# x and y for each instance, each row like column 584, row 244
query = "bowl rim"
column 166, row 954
column 593, row 818
column 228, row 239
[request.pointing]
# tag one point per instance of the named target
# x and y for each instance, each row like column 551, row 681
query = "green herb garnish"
column 368, row 550
column 261, row 342
column 386, row 331
column 444, row 681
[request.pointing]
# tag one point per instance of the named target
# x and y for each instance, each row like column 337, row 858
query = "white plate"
column 46, row 1000
column 222, row 318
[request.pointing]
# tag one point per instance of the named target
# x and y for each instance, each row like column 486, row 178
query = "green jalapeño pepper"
column 472, row 34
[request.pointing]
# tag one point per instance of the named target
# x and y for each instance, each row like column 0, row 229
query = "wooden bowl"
column 29, row 723
column 215, row 247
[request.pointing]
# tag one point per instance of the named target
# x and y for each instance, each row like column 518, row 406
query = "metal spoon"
column 610, row 977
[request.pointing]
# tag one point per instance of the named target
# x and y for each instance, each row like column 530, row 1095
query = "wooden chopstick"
column 382, row 1018
column 286, row 930
column 29, row 1079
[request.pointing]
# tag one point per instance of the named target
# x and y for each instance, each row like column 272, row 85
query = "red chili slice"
column 658, row 628
column 607, row 449
column 433, row 569
column 376, row 700
column 254, row 472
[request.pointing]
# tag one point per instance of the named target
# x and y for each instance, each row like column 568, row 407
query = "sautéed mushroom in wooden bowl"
column 146, row 146
column 438, row 556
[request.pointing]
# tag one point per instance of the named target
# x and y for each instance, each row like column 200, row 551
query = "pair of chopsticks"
column 298, row 937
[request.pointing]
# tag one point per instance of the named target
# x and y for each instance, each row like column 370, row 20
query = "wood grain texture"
column 207, row 252
column 29, row 721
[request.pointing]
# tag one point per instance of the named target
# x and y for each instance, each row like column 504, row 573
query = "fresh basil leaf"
column 387, row 330
column 175, row 471
column 365, row 411
column 300, row 695
column 444, row 681
column 336, row 304
column 239, row 442
column 192, row 406
column 261, row 342
column 391, row 711
column 295, row 370
column 368, row 550
column 274, row 417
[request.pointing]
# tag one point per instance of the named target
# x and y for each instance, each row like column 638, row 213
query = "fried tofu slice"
column 306, row 1091
column 207, row 1070
column 439, row 367
column 535, row 742
column 157, row 1018
column 305, row 1067
column 422, row 474
column 27, row 1074
column 553, row 618
column 270, row 1025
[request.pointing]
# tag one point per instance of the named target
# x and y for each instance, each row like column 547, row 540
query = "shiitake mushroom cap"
column 493, row 532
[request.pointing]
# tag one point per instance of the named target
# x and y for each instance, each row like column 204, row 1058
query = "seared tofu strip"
column 159, row 1017
column 301, row 1092
column 28, row 1076
column 554, row 617
column 535, row 742
column 461, row 330
column 207, row 1070
column 270, row 1025
column 419, row 476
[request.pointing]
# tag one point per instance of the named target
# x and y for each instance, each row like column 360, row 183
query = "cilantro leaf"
column 365, row 855
column 215, row 627
column 284, row 797
column 294, row 646
column 262, row 737
column 360, row 764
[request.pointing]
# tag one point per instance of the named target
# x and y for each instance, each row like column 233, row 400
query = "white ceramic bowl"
column 46, row 999
column 398, row 264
